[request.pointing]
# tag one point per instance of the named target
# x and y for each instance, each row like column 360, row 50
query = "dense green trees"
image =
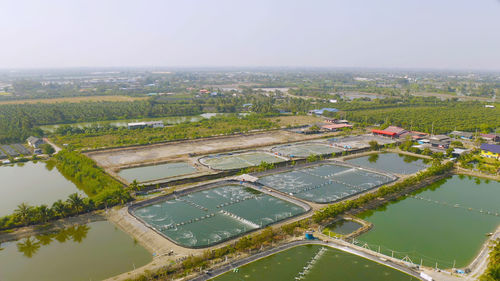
column 492, row 273
column 114, row 136
column 86, row 175
column 464, row 116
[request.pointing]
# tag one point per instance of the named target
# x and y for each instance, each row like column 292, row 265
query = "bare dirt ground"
column 115, row 158
column 73, row 99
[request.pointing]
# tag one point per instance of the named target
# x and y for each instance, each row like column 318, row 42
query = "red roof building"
column 391, row 131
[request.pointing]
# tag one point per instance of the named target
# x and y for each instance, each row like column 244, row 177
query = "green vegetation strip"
column 103, row 191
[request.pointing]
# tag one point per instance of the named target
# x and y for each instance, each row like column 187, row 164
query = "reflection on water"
column 94, row 251
column 30, row 246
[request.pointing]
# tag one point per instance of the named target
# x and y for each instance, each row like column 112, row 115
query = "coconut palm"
column 23, row 213
column 76, row 202
column 43, row 213
column 59, row 208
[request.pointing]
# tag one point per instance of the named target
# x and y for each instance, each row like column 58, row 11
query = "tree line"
column 102, row 190
column 120, row 136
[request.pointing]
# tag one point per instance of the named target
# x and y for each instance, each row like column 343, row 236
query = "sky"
column 433, row 34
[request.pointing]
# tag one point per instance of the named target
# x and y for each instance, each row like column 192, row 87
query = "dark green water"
column 343, row 227
column 440, row 230
column 391, row 162
column 333, row 265
column 210, row 216
column 87, row 252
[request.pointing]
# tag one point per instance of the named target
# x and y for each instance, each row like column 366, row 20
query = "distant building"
column 489, row 106
column 490, row 150
column 440, row 141
column 335, row 121
column 321, row 111
column 462, row 135
column 151, row 124
column 391, row 131
column 490, row 137
column 335, row 127
column 35, row 142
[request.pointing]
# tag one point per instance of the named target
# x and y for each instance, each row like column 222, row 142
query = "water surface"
column 33, row 183
column 343, row 227
column 94, row 251
column 391, row 162
column 331, row 265
column 445, row 222
column 149, row 173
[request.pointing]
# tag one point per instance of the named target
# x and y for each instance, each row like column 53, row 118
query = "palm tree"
column 59, row 208
column 76, row 202
column 43, row 213
column 23, row 212
column 28, row 247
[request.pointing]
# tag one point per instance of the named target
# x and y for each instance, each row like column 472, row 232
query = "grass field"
column 73, row 99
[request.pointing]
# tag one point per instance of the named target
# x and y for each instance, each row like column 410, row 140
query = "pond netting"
column 208, row 217
column 324, row 183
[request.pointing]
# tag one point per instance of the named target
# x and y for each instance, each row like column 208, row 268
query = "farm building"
column 490, row 150
column 490, row 137
column 321, row 111
column 391, row 131
column 440, row 141
column 335, row 127
column 35, row 142
column 151, row 124
column 462, row 135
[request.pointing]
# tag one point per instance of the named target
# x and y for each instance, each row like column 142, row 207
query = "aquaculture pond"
column 325, row 264
column 305, row 149
column 342, row 227
column 391, row 162
column 239, row 160
column 324, row 183
column 33, row 183
column 154, row 172
column 94, row 251
column 446, row 222
column 208, row 217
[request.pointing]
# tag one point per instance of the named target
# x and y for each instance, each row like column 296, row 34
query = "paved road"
column 211, row 274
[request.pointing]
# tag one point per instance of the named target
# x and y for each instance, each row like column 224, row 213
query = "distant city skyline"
column 362, row 34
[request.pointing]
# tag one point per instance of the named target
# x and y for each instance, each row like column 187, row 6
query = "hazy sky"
column 447, row 34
